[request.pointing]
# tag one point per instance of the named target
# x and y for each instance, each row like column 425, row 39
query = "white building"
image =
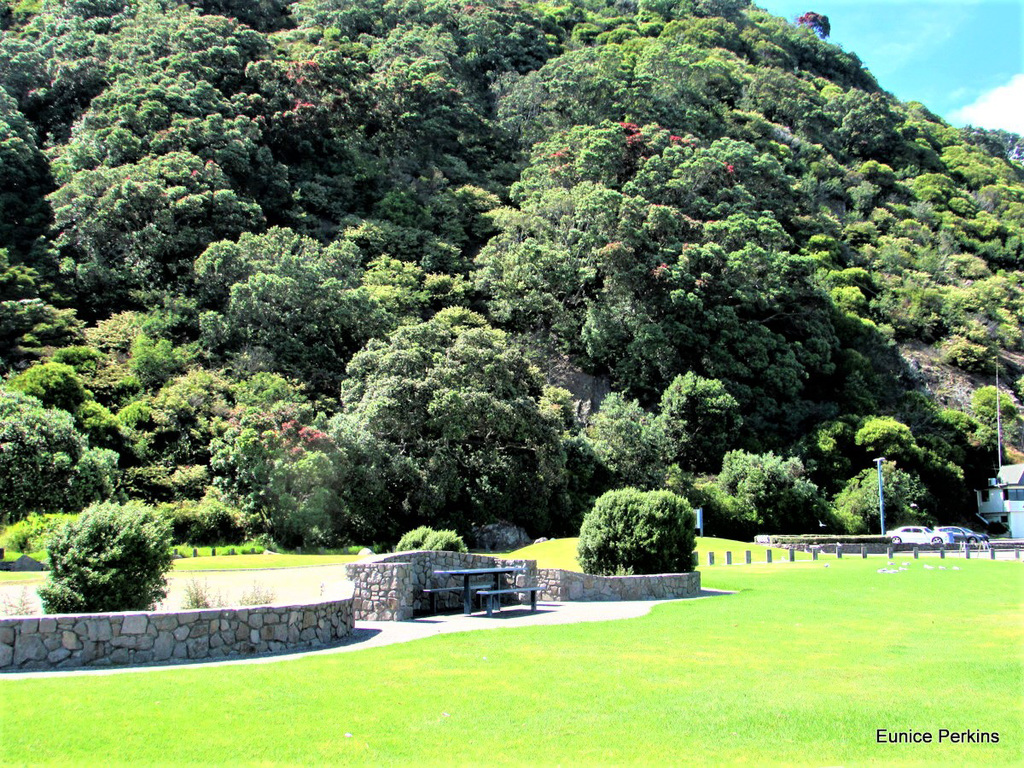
column 1003, row 500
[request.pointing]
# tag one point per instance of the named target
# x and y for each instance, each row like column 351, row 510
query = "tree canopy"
column 350, row 268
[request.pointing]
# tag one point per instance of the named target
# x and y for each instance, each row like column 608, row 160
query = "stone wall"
column 560, row 586
column 390, row 587
column 114, row 639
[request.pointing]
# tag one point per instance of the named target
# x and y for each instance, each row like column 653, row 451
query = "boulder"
column 500, row 536
column 26, row 563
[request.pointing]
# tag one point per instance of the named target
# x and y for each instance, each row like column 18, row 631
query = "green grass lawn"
column 553, row 553
column 561, row 553
column 12, row 576
column 237, row 562
column 801, row 667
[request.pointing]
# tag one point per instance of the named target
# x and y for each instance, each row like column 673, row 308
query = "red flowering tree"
column 818, row 23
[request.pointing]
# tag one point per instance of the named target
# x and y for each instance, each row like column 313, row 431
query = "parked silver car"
column 963, row 534
column 918, row 534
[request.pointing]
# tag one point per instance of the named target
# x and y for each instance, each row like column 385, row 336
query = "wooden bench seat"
column 492, row 597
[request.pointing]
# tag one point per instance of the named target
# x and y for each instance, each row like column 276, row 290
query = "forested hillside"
column 321, row 271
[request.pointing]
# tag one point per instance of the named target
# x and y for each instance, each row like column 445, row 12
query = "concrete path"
column 373, row 634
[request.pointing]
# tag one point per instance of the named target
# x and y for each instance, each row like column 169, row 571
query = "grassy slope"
column 561, row 553
column 236, row 562
column 800, row 667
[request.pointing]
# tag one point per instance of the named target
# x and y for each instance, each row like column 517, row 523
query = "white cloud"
column 1002, row 107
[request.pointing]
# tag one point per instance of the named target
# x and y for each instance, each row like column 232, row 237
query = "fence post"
column 814, row 553
column 839, row 551
column 711, row 558
column 917, row 551
column 991, row 554
column 1016, row 553
column 888, row 551
column 942, row 553
column 748, row 557
column 863, row 551
column 728, row 558
column 967, row 551
column 792, row 555
column 768, row 555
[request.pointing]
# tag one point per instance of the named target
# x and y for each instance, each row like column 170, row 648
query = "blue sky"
column 963, row 59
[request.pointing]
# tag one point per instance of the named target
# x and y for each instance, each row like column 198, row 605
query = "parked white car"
column 917, row 534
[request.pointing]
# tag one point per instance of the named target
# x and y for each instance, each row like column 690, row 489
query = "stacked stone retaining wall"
column 114, row 639
column 560, row 586
column 390, row 587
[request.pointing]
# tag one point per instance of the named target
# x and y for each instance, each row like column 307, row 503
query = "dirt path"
column 276, row 585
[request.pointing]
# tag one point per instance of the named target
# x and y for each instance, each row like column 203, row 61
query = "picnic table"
column 469, row 573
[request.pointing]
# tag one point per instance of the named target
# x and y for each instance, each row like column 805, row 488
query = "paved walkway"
column 373, row 634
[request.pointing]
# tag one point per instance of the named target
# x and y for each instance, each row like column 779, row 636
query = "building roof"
column 1011, row 474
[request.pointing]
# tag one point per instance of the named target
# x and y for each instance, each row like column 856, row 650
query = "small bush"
column 17, row 606
column 114, row 557
column 445, row 541
column 414, row 539
column 426, row 537
column 257, row 594
column 635, row 532
column 199, row 595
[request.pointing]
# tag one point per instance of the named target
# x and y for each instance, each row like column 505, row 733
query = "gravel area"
column 277, row 585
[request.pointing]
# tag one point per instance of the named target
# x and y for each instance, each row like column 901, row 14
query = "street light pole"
column 881, row 493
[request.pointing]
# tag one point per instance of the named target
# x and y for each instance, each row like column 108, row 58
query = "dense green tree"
column 699, row 419
column 47, row 465
column 630, row 442
column 906, row 500
column 774, row 491
column 455, row 408
column 134, row 230
column 285, row 303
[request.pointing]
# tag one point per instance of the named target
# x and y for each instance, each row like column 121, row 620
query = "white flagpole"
column 999, row 421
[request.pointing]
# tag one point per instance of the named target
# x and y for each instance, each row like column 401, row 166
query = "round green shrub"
column 426, row 537
column 635, row 532
column 414, row 539
column 445, row 541
column 114, row 557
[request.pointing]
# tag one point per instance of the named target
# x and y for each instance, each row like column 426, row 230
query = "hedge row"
column 808, row 539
